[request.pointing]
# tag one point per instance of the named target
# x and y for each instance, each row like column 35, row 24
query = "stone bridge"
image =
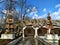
column 34, row 31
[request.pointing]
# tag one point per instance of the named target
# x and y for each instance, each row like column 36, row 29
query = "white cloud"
column 28, row 10
column 58, row 5
column 56, row 15
column 34, row 10
column 44, row 10
column 4, row 11
column 34, row 14
column 59, row 9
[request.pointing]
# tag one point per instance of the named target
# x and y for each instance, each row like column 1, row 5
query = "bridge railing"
column 43, row 41
column 14, row 41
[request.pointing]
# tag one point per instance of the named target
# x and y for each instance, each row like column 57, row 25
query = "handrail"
column 44, row 42
column 14, row 41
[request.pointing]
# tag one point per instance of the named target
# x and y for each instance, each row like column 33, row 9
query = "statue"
column 9, row 25
column 49, row 24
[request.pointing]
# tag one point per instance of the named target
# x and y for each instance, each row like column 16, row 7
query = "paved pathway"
column 29, row 41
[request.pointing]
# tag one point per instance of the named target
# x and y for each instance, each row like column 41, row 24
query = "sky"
column 41, row 8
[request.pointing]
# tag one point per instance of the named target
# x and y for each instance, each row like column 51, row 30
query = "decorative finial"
column 49, row 17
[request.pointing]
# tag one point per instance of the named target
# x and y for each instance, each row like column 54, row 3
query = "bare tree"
column 24, row 7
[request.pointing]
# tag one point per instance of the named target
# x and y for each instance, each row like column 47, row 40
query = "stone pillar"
column 36, row 42
column 49, row 31
column 36, row 32
column 52, row 39
column 23, row 31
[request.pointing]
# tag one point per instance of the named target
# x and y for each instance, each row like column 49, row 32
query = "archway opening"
column 29, row 32
column 41, row 31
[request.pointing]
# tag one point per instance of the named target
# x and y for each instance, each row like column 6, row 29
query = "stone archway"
column 29, row 32
column 41, row 31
